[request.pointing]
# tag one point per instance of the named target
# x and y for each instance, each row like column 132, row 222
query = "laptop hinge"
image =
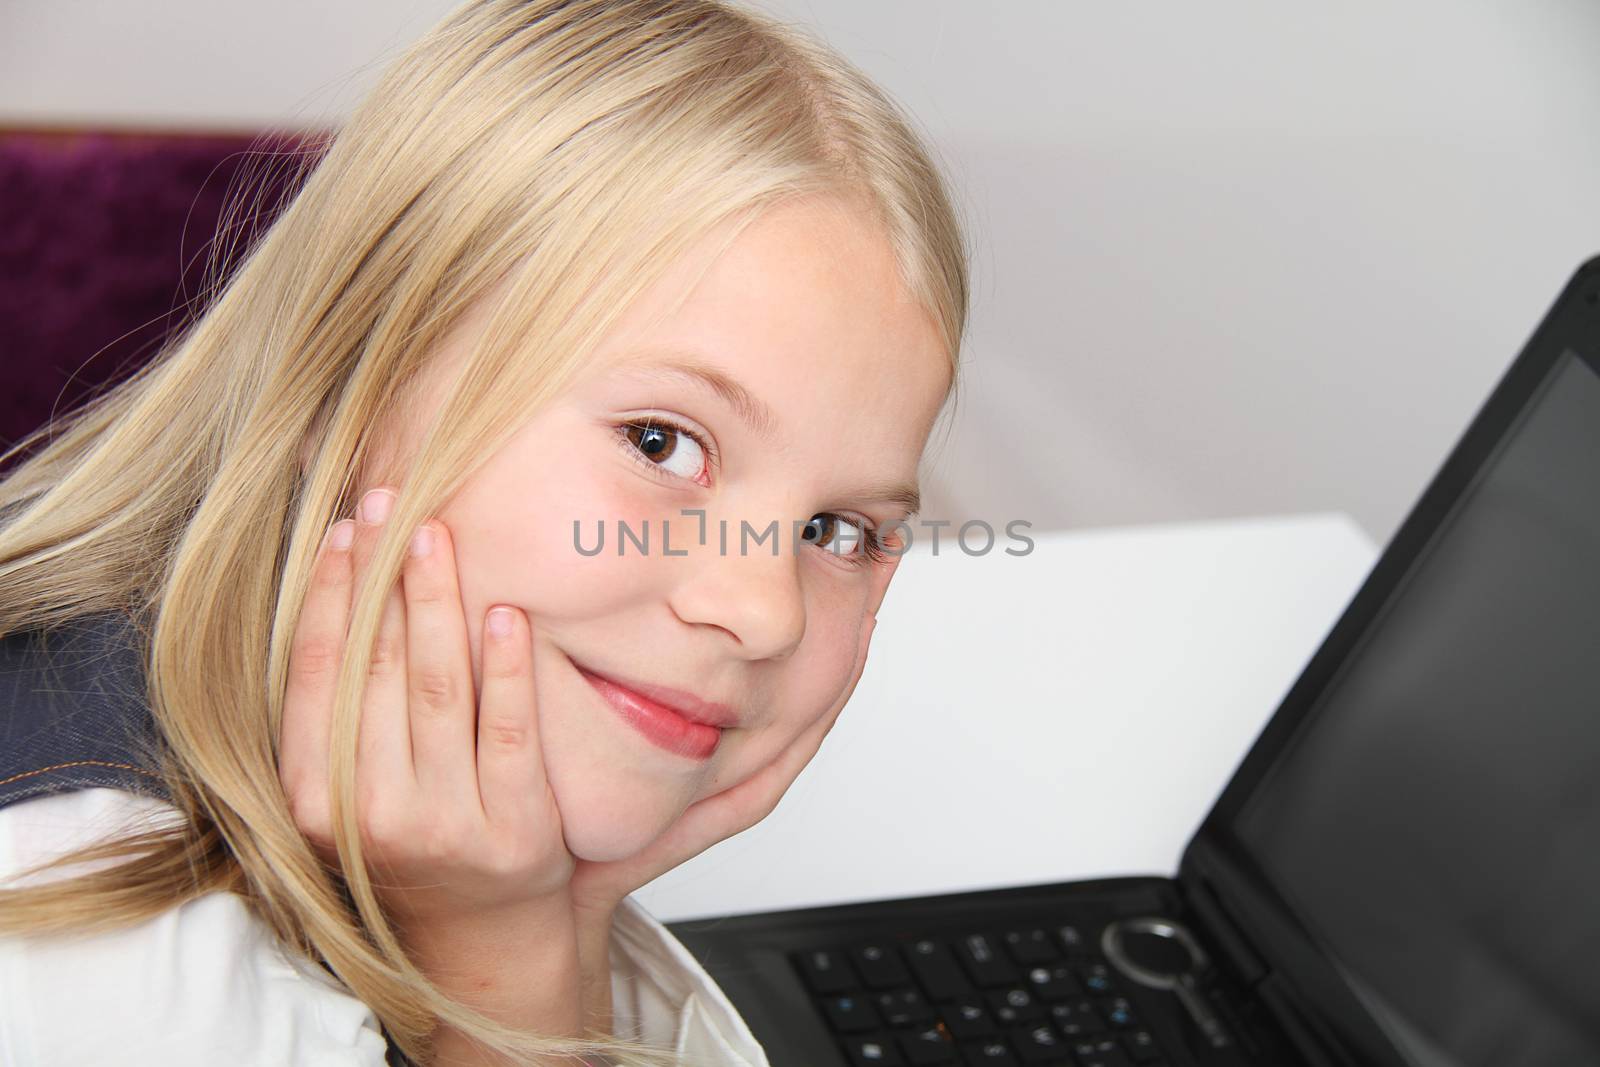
column 1227, row 939
column 1247, row 967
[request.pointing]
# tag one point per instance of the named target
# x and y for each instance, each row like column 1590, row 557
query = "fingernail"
column 341, row 534
column 375, row 506
column 422, row 541
column 500, row 622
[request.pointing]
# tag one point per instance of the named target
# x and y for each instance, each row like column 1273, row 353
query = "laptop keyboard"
column 1038, row 995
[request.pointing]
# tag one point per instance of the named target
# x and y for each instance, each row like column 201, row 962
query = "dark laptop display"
column 1403, row 871
column 1436, row 820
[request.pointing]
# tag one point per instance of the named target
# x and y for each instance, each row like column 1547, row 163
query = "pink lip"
column 668, row 726
column 684, row 705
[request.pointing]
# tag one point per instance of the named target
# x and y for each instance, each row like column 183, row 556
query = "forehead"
column 804, row 309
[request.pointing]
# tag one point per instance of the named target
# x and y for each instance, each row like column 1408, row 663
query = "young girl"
column 306, row 623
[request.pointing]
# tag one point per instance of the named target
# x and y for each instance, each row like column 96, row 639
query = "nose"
column 744, row 588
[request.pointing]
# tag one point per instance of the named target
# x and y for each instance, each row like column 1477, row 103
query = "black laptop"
column 1405, row 868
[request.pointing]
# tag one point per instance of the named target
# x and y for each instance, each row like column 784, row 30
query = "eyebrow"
column 752, row 411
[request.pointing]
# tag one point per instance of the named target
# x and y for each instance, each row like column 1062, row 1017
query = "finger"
column 439, row 666
column 383, row 750
column 315, row 652
column 511, row 772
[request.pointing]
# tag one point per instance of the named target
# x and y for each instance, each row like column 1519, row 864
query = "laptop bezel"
column 1291, row 965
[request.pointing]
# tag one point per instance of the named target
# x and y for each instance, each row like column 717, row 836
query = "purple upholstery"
column 103, row 238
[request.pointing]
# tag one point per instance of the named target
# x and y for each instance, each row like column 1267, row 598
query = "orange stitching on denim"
column 78, row 763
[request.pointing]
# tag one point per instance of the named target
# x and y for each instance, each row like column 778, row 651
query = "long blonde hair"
column 571, row 148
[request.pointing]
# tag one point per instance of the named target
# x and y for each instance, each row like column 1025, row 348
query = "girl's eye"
column 858, row 548
column 663, row 446
column 667, row 449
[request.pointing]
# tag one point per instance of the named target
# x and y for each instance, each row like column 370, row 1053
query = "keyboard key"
column 903, row 1007
column 1014, row 1006
column 1054, row 983
column 1096, row 977
column 1072, row 940
column 967, row 1018
column 994, row 1053
column 1119, row 1013
column 984, row 962
column 927, row 1048
column 850, row 1015
column 1101, row 1052
column 1142, row 1046
column 1040, row 1044
column 880, row 966
column 1217, row 1032
column 826, row 971
column 936, row 970
column 872, row 1052
column 1029, row 947
column 1077, row 1018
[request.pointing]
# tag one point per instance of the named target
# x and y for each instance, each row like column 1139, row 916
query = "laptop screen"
column 1435, row 820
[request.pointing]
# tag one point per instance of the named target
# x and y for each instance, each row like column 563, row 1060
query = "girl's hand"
column 598, row 887
column 457, row 818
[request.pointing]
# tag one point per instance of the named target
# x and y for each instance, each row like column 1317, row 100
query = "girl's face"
column 839, row 376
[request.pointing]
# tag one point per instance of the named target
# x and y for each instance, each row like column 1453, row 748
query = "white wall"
column 1231, row 258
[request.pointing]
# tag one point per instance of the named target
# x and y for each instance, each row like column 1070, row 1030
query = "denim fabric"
column 73, row 715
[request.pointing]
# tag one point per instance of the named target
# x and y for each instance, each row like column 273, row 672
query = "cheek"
column 513, row 523
column 812, row 685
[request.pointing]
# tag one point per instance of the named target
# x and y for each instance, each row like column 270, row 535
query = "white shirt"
column 207, row 982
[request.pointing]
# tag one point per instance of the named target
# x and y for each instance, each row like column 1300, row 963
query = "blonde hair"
column 569, row 148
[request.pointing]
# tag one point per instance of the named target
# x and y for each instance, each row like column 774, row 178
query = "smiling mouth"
column 682, row 703
column 661, row 725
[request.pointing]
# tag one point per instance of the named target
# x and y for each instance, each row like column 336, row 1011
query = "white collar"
column 661, row 994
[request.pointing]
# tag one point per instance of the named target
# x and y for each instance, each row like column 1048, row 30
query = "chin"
column 601, row 828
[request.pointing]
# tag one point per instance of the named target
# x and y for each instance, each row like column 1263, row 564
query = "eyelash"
column 872, row 551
